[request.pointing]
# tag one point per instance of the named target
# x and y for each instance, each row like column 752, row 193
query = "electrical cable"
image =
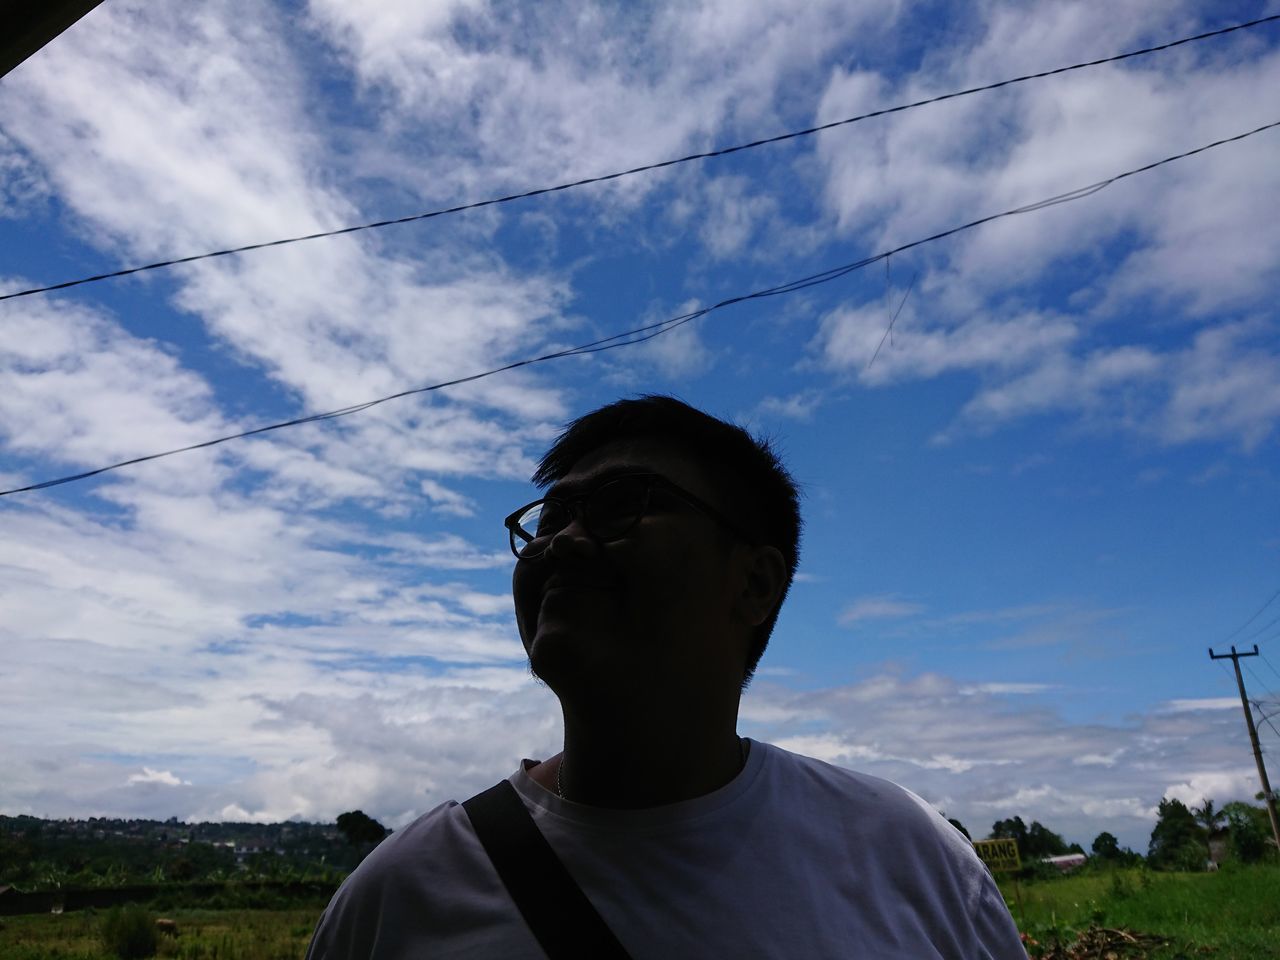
column 707, row 155
column 893, row 319
column 1263, row 629
column 652, row 330
column 1253, row 673
column 1269, row 664
column 1267, row 721
column 1257, row 613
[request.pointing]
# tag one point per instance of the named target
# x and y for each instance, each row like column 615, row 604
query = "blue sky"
column 1054, row 488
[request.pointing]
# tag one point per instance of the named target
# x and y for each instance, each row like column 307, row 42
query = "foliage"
column 1106, row 846
column 1177, row 840
column 240, row 934
column 359, row 828
column 1035, row 842
column 1209, row 818
column 1229, row 915
column 129, row 933
column 38, row 854
column 1094, row 941
column 959, row 826
column 1250, row 828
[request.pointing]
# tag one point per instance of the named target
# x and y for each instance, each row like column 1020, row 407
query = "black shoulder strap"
column 551, row 902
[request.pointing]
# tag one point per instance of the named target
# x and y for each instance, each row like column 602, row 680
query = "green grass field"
column 1230, row 915
column 202, row 935
column 1234, row 912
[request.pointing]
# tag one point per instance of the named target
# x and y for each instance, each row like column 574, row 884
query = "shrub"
column 1121, row 889
column 129, row 933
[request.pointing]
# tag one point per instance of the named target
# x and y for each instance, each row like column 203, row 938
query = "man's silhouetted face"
column 651, row 612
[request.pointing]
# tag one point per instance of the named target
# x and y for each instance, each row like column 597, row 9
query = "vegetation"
column 1234, row 912
column 1163, row 907
column 359, row 828
column 1167, row 905
column 1178, row 841
column 1034, row 842
column 40, row 854
column 129, row 933
column 1250, row 831
column 195, row 935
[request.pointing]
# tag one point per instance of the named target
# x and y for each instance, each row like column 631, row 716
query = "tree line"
column 37, row 854
column 1181, row 839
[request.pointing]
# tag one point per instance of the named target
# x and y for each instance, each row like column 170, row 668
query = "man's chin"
column 562, row 652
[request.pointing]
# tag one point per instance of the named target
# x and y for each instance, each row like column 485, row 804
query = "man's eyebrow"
column 593, row 480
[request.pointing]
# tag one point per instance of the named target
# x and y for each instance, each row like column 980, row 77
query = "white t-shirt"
column 794, row 858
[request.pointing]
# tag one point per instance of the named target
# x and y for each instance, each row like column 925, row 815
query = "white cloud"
column 1175, row 245
column 80, row 389
column 1007, row 688
column 22, row 184
column 1202, row 703
column 877, row 608
column 680, row 354
column 201, row 593
column 332, row 322
column 164, row 777
column 1227, row 382
column 1221, row 786
column 527, row 98
column 734, row 215
column 797, row 406
column 446, row 500
column 991, row 755
column 1099, row 759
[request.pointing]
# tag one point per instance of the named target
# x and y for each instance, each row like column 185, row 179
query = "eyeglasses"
column 608, row 513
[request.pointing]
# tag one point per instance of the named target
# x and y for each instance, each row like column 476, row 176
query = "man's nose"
column 572, row 540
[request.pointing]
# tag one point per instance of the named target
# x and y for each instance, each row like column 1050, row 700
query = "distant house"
column 1067, row 862
column 1218, row 850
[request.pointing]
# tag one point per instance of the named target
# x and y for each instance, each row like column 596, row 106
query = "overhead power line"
column 1258, row 632
column 1262, row 683
column 1269, row 664
column 722, row 152
column 1257, row 613
column 648, row 332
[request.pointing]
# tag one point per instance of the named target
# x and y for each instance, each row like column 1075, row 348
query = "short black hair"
column 748, row 473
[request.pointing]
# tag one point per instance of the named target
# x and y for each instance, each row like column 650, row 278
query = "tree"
column 1106, row 846
column 1034, row 842
column 1250, row 830
column 1208, row 818
column 1043, row 842
column 959, row 826
column 1177, row 840
column 1011, row 829
column 359, row 828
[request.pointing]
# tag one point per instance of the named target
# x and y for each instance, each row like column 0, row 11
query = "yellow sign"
column 1000, row 856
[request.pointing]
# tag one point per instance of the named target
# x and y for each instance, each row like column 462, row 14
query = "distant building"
column 1067, row 862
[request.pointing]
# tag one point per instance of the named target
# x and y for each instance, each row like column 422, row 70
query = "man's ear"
column 765, row 576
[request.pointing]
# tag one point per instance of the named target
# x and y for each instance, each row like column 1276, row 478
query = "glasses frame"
column 575, row 506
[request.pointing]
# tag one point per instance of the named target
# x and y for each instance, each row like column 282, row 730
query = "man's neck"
column 631, row 766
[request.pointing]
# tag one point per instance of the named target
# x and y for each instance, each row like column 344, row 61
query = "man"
column 646, row 585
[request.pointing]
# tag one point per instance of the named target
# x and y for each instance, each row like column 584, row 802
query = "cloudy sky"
column 1054, row 488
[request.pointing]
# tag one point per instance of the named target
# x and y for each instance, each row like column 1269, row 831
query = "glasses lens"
column 615, row 507
column 537, row 525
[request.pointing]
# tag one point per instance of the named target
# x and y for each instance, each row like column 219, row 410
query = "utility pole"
column 1268, row 797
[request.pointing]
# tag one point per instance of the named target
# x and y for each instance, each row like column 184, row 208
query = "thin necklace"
column 742, row 748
